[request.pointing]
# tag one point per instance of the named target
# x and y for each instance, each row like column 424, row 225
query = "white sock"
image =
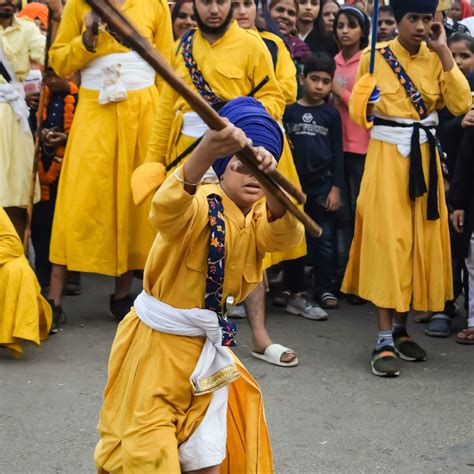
column 385, row 338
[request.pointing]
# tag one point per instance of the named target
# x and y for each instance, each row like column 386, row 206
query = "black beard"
column 6, row 16
column 213, row 30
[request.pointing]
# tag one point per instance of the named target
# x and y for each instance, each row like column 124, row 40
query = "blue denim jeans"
column 322, row 251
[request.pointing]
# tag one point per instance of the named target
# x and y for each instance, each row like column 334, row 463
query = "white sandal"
column 273, row 353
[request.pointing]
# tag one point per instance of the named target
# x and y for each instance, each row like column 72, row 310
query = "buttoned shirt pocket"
column 431, row 91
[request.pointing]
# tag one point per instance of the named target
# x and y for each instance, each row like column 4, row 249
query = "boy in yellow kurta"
column 24, row 314
column 97, row 228
column 210, row 246
column 400, row 255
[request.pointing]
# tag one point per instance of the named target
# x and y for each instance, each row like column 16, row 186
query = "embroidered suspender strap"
column 215, row 269
column 196, row 75
column 410, row 88
column 416, row 180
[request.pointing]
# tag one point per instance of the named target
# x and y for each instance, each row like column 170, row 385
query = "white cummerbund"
column 135, row 72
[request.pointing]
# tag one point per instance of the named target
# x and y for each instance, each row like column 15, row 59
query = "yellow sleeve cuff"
column 360, row 98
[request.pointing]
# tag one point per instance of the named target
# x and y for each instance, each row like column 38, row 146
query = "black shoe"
column 355, row 300
column 73, row 284
column 59, row 317
column 407, row 348
column 121, row 307
column 385, row 362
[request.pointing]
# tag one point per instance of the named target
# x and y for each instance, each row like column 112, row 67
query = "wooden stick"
column 39, row 128
column 272, row 182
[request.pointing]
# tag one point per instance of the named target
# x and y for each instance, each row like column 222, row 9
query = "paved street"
column 328, row 415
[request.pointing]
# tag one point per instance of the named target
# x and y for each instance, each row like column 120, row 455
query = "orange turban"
column 36, row 10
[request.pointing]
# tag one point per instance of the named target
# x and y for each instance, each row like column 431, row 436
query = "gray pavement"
column 328, row 415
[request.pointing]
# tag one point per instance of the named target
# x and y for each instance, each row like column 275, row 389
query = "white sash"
column 402, row 136
column 215, row 368
column 115, row 74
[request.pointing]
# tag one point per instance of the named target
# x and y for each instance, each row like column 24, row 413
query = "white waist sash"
column 193, row 125
column 402, row 136
column 215, row 368
column 13, row 94
column 115, row 74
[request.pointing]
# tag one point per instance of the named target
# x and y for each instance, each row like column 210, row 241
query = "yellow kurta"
column 399, row 258
column 24, row 314
column 149, row 408
column 97, row 228
column 233, row 65
column 22, row 43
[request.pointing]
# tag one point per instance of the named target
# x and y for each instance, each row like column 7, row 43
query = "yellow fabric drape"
column 24, row 314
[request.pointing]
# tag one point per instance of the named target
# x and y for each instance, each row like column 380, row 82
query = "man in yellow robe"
column 96, row 227
column 21, row 43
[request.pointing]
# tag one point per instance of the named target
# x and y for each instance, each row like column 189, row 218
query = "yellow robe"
column 399, row 258
column 96, row 227
column 22, row 43
column 149, row 408
column 24, row 314
column 233, row 65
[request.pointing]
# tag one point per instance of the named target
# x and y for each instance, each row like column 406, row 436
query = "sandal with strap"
column 466, row 336
column 328, row 301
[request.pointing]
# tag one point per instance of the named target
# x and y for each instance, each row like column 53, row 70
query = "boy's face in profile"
column 317, row 86
column 463, row 56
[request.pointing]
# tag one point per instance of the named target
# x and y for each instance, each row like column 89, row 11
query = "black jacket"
column 461, row 194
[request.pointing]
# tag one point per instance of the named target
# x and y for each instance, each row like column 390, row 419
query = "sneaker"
column 121, row 307
column 59, row 317
column 237, row 312
column 306, row 307
column 385, row 362
column 281, row 299
column 407, row 348
column 73, row 284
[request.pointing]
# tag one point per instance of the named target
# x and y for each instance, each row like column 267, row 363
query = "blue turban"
column 402, row 7
column 250, row 116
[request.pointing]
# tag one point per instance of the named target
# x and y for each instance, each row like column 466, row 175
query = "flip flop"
column 469, row 336
column 273, row 353
column 439, row 326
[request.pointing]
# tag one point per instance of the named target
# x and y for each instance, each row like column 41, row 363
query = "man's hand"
column 52, row 138
column 333, row 201
column 457, row 218
column 32, row 100
column 89, row 37
column 468, row 120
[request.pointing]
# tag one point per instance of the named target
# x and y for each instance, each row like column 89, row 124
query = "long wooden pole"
column 39, row 128
column 272, row 182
